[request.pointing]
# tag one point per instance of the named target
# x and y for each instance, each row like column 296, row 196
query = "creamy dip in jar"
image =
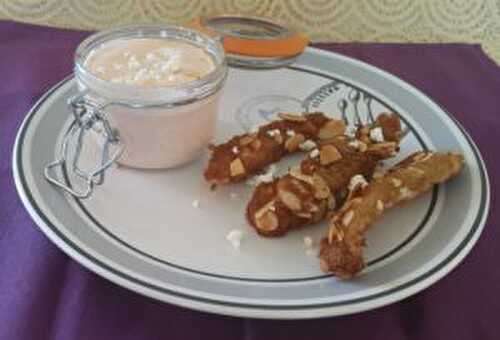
column 159, row 87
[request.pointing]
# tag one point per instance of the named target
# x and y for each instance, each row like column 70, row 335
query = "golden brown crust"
column 306, row 194
column 341, row 252
column 249, row 154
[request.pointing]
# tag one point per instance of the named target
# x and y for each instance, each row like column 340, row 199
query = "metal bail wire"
column 86, row 116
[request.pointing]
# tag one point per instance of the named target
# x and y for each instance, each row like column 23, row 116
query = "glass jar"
column 157, row 126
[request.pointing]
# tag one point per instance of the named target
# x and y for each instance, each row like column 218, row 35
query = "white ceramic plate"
column 141, row 231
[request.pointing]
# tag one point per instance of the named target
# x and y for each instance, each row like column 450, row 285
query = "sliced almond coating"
column 236, row 167
column 292, row 117
column 329, row 154
column 304, row 214
column 246, row 140
column 267, row 222
column 321, row 190
column 299, row 186
column 362, row 146
column 290, row 200
column 348, row 216
column 292, row 143
column 297, row 173
column 385, row 148
column 335, row 232
column 331, row 129
column 269, row 206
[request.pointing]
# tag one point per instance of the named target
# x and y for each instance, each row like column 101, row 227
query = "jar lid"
column 253, row 42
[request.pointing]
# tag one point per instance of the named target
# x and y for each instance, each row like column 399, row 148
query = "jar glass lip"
column 168, row 94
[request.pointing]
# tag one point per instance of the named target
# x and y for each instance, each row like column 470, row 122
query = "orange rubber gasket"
column 281, row 47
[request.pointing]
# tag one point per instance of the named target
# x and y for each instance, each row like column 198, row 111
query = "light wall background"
column 473, row 21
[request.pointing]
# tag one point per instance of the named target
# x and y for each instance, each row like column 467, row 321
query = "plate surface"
column 141, row 231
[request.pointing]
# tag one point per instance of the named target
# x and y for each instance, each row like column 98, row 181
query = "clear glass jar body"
column 163, row 126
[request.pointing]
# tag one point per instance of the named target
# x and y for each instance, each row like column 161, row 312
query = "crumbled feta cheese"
column 290, row 133
column 265, row 178
column 273, row 132
column 377, row 135
column 196, row 204
column 235, row 150
column 234, row 237
column 357, row 181
column 355, row 144
column 314, row 153
column 307, row 145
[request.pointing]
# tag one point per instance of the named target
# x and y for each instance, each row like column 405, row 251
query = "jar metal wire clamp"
column 86, row 116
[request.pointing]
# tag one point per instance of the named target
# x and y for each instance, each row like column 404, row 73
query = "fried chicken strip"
column 341, row 253
column 305, row 195
column 248, row 154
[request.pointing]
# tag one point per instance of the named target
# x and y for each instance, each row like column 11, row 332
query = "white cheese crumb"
column 234, row 237
column 308, row 241
column 235, row 150
column 314, row 153
column 196, row 204
column 273, row 132
column 355, row 144
column 377, row 135
column 290, row 133
column 357, row 181
column 307, row 145
column 265, row 178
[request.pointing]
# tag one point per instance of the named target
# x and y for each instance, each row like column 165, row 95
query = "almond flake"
column 307, row 145
column 314, row 153
column 348, row 216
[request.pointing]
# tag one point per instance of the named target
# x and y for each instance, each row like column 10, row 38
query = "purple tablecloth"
column 46, row 295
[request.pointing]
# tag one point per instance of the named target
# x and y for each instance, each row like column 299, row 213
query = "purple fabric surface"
column 46, row 295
